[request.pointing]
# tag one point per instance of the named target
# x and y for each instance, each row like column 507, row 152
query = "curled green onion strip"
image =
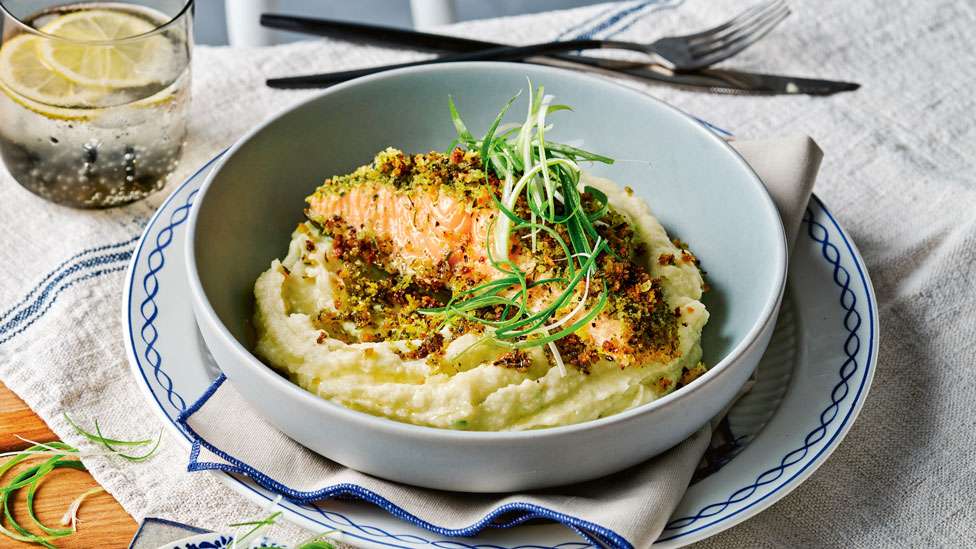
column 548, row 175
column 59, row 455
column 33, row 476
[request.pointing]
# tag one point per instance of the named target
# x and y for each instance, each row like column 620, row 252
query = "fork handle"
column 498, row 53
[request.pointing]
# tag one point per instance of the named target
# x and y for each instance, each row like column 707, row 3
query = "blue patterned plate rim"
column 719, row 512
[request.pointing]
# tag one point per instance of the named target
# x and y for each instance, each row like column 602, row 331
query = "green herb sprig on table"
column 58, row 455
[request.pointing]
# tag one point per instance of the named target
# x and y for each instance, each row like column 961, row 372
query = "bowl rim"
column 764, row 320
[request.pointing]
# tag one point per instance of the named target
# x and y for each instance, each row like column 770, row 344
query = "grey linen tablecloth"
column 898, row 174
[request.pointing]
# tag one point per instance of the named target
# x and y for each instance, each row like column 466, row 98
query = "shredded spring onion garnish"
column 57, row 455
column 71, row 515
column 547, row 174
column 260, row 527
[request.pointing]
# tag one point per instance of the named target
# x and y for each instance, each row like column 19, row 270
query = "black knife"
column 714, row 80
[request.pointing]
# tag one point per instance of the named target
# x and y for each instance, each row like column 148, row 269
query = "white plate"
column 811, row 384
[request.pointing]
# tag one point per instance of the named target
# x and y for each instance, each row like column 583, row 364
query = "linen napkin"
column 625, row 510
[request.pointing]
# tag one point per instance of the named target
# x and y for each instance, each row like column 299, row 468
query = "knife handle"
column 374, row 33
column 393, row 36
column 497, row 53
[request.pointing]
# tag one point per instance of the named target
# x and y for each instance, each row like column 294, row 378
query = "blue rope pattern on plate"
column 150, row 284
column 852, row 322
column 852, row 346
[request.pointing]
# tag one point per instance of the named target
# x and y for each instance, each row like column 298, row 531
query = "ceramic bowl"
column 697, row 186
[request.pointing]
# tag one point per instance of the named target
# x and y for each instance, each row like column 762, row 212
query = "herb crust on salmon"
column 423, row 220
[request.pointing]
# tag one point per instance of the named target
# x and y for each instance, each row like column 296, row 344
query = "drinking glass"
column 94, row 97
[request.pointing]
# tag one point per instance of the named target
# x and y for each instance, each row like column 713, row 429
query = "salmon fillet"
column 427, row 218
column 425, row 210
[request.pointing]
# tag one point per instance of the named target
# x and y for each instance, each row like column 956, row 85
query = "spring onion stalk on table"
column 61, row 455
column 58, row 455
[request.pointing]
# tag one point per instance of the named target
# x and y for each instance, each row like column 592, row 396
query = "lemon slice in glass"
column 33, row 84
column 89, row 56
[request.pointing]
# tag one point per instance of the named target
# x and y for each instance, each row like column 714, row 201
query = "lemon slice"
column 126, row 64
column 33, row 84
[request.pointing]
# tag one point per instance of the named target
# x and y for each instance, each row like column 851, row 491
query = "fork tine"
column 721, row 50
column 755, row 11
column 744, row 29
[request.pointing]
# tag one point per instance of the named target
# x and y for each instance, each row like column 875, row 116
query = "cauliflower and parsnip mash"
column 435, row 290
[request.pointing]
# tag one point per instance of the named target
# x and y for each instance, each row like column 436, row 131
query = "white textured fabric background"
column 898, row 173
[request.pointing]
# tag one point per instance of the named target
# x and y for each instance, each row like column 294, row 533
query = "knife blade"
column 712, row 80
column 719, row 80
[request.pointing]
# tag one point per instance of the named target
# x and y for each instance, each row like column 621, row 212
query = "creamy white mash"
column 465, row 389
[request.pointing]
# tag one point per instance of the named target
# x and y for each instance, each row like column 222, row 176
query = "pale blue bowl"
column 697, row 186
